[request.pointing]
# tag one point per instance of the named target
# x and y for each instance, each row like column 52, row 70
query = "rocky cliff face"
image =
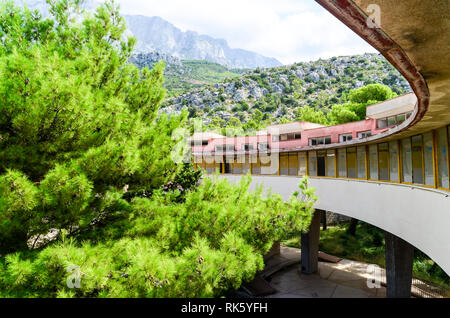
column 156, row 34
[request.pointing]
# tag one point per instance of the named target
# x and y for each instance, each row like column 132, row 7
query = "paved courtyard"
column 345, row 279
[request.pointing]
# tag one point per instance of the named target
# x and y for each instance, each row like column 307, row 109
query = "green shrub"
column 203, row 247
column 18, row 200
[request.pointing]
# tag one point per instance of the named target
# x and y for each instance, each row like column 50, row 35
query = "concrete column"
column 399, row 264
column 324, row 220
column 310, row 245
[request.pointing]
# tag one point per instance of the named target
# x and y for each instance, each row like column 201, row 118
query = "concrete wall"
column 417, row 215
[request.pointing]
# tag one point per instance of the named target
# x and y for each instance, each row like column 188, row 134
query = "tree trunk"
column 352, row 227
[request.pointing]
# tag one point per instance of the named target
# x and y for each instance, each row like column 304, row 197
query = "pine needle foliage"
column 84, row 151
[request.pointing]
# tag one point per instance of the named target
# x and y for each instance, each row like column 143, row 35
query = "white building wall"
column 417, row 215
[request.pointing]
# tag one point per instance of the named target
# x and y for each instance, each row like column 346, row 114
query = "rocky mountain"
column 181, row 76
column 279, row 91
column 155, row 34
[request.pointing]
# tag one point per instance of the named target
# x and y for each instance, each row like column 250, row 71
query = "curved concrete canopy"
column 422, row 30
column 414, row 37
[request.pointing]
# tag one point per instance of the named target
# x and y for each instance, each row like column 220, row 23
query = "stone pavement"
column 345, row 279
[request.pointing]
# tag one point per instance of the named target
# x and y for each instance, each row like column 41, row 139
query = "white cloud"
column 289, row 30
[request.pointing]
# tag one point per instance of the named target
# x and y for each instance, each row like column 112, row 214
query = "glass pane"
column 331, row 159
column 342, row 163
column 246, row 165
column 442, row 158
column 373, row 162
column 428, row 158
column 401, row 118
column 293, row 164
column 407, row 160
column 382, row 123
column 266, row 163
column 312, row 163
column 256, row 166
column 391, row 121
column 321, row 163
column 361, row 162
column 393, row 161
column 417, row 159
column 302, row 163
column 383, row 162
column 351, row 163
column 284, row 164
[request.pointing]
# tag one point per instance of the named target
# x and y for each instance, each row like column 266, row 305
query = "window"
column 248, row 147
column 256, row 165
column 284, row 164
column 266, row 164
column 364, row 134
column 321, row 163
column 342, row 163
column 373, row 162
column 320, row 141
column 407, row 160
column 361, row 158
column 293, row 164
column 442, row 157
column 246, row 165
column 302, row 163
column 223, row 148
column 346, row 137
column 392, row 121
column 275, row 138
column 383, row 162
column 417, row 159
column 382, row 123
column 401, row 118
column 263, row 146
column 393, row 161
column 312, row 163
column 351, row 163
column 428, row 159
column 331, row 160
column 198, row 143
column 236, row 166
column 290, row 136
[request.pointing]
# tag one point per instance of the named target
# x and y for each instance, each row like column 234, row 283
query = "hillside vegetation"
column 279, row 92
column 184, row 75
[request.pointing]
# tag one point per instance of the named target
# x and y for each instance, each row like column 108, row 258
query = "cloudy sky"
column 289, row 30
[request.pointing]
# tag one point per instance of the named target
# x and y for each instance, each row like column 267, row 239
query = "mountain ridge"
column 157, row 34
